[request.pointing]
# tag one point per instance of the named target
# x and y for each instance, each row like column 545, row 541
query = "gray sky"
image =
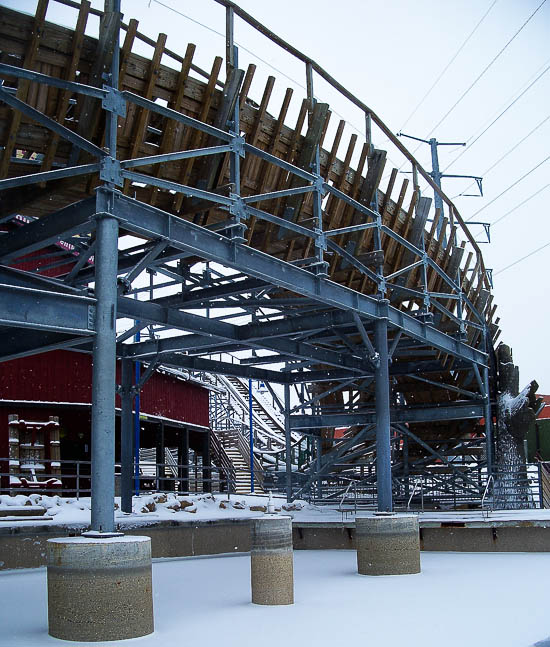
column 390, row 55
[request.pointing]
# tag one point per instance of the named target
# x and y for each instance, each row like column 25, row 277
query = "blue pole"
column 250, row 421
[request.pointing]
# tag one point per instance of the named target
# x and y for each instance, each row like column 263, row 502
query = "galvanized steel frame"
column 174, row 238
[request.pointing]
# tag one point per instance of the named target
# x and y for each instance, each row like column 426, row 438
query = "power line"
column 442, row 73
column 524, row 87
column 522, row 258
column 254, row 55
column 511, row 150
column 508, row 189
column 521, row 204
column 496, row 119
column 485, row 69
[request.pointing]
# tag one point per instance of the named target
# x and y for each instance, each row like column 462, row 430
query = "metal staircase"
column 230, row 419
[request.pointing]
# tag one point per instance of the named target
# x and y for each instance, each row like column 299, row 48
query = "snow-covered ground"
column 156, row 507
column 459, row 600
column 145, row 509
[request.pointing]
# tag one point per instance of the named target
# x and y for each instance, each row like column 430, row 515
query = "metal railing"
column 416, row 485
column 445, row 491
column 75, row 479
column 490, row 480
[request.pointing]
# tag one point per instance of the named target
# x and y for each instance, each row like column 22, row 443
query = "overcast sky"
column 390, row 55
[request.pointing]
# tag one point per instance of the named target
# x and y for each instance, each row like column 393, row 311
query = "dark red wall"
column 66, row 376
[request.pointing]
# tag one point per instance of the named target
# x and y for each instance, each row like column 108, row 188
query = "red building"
column 173, row 411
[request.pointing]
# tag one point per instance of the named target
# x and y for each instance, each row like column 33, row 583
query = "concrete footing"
column 272, row 572
column 387, row 545
column 99, row 589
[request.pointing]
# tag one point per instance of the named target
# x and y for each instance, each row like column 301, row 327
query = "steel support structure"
column 382, row 401
column 308, row 322
column 103, row 377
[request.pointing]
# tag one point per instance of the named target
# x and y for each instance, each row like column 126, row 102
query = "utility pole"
column 436, row 173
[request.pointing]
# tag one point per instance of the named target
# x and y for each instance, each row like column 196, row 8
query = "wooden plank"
column 349, row 213
column 253, row 135
column 65, row 96
column 194, row 138
column 23, row 86
column 304, row 161
column 173, row 129
column 246, row 84
column 140, row 124
column 210, row 169
column 391, row 243
column 263, row 174
column 376, row 167
column 388, row 193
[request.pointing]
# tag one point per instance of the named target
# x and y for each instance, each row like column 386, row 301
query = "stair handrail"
column 243, row 403
column 223, row 460
column 490, row 480
column 171, row 462
column 268, row 409
column 421, row 483
column 353, row 484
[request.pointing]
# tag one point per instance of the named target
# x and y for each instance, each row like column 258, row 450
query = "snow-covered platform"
column 207, row 601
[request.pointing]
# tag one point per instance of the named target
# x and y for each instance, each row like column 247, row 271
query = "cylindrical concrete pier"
column 272, row 572
column 99, row 589
column 387, row 545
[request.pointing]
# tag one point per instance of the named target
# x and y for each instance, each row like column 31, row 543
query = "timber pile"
column 36, row 44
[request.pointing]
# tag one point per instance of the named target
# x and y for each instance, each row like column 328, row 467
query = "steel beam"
column 71, row 220
column 222, row 368
column 17, row 342
column 222, row 331
column 409, row 414
column 150, row 222
column 44, row 310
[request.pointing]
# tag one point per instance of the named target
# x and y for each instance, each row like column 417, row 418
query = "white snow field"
column 459, row 600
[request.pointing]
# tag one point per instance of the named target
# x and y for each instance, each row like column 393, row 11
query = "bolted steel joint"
column 114, row 101
column 110, row 171
column 236, row 144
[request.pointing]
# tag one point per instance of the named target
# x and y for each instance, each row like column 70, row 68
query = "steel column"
column 488, row 421
column 103, row 379
column 382, row 395
column 126, row 437
column 251, row 429
column 288, row 444
column 318, row 463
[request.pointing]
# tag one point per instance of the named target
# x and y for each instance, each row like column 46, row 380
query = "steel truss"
column 322, row 331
